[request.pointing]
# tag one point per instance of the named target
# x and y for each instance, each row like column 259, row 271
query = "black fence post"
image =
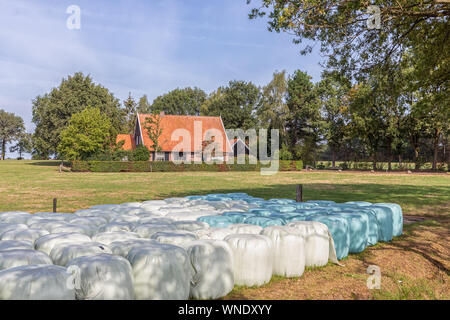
column 54, row 204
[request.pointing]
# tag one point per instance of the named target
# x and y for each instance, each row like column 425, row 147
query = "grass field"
column 413, row 266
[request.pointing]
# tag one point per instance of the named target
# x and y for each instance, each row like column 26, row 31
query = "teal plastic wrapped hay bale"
column 385, row 222
column 282, row 208
column 298, row 217
column 322, row 203
column 397, row 217
column 373, row 224
column 339, row 229
column 282, row 201
column 265, row 222
column 238, row 217
column 261, row 212
column 358, row 226
column 216, row 221
column 360, row 203
column 304, row 205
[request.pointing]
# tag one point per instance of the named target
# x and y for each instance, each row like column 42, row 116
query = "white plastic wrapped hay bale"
column 12, row 226
column 14, row 217
column 89, row 221
column 62, row 253
column 289, row 251
column 212, row 269
column 317, row 242
column 46, row 224
column 190, row 225
column 253, row 258
column 122, row 248
column 129, row 210
column 147, row 230
column 54, row 216
column 155, row 220
column 73, row 228
column 22, row 257
column 103, row 277
column 23, row 235
column 160, row 272
column 178, row 237
column 47, row 242
column 15, row 244
column 245, row 228
column 35, row 282
column 185, row 215
column 109, row 237
column 213, row 233
column 116, row 226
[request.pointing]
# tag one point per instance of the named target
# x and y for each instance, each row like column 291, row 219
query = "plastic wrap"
column 35, row 282
column 47, row 242
column 253, row 258
column 212, row 269
column 289, row 250
column 21, row 257
column 160, row 272
column 103, row 277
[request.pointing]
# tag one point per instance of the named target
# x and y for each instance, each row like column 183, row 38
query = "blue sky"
column 138, row 46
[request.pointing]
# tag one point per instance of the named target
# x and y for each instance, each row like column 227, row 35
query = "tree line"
column 333, row 119
column 382, row 96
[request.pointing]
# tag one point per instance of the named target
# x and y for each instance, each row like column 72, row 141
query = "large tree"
column 143, row 105
column 185, row 101
column 52, row 111
column 236, row 104
column 130, row 108
column 273, row 111
column 11, row 127
column 24, row 144
column 88, row 133
column 305, row 124
column 333, row 93
column 355, row 46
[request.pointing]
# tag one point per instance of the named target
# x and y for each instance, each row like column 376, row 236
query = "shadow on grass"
column 49, row 163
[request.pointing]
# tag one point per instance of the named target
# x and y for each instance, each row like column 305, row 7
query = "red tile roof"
column 170, row 123
column 129, row 141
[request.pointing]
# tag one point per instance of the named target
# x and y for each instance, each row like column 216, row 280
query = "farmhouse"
column 188, row 138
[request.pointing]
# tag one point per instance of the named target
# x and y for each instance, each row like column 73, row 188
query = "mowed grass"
column 413, row 266
column 31, row 186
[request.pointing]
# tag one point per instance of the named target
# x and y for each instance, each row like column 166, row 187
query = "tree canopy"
column 88, row 133
column 235, row 103
column 187, row 101
column 53, row 110
column 11, row 128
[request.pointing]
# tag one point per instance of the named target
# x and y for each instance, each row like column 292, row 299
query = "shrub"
column 141, row 153
column 162, row 166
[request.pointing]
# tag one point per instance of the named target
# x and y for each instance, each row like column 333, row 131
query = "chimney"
column 162, row 114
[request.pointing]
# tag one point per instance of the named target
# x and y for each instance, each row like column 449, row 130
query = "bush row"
column 162, row 166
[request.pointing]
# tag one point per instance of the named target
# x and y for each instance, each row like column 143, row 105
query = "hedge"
column 162, row 166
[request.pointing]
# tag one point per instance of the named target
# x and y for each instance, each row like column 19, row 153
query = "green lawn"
column 31, row 186
column 413, row 266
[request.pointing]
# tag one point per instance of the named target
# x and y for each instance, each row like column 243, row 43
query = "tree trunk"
column 3, row 148
column 374, row 161
column 390, row 160
column 416, row 158
column 435, row 147
column 334, row 159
